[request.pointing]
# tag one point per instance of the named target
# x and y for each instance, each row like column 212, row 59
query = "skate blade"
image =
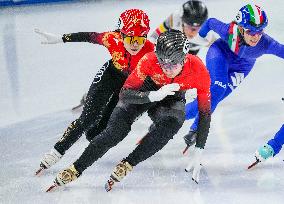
column 74, row 109
column 108, row 185
column 140, row 141
column 185, row 150
column 253, row 164
column 52, row 188
column 39, row 172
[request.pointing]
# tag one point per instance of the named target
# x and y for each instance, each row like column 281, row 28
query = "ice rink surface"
column 40, row 83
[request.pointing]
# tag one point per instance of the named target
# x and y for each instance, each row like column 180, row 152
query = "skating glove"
column 49, row 37
column 164, row 91
column 264, row 153
column 194, row 164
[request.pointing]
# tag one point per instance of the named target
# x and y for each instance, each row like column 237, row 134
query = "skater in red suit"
column 126, row 45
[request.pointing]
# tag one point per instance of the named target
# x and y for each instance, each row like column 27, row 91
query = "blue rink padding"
column 22, row 2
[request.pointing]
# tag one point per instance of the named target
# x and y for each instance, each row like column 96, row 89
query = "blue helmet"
column 252, row 17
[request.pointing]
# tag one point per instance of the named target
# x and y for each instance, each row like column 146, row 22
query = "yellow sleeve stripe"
column 162, row 28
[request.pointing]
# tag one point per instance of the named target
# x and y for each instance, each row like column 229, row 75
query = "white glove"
column 164, row 91
column 194, row 164
column 49, row 37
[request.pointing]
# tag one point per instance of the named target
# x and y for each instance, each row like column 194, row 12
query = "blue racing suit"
column 278, row 140
column 229, row 60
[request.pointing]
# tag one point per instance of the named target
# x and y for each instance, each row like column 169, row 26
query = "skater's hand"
column 264, row 153
column 49, row 37
column 194, row 164
column 164, row 91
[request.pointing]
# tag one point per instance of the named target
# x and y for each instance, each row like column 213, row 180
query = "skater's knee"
column 84, row 121
column 170, row 124
column 92, row 133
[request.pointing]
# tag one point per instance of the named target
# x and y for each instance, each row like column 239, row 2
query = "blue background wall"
column 20, row 2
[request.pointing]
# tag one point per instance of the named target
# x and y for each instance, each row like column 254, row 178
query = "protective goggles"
column 253, row 33
column 170, row 65
column 140, row 40
column 193, row 28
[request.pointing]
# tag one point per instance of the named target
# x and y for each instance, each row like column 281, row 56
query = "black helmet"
column 194, row 13
column 171, row 47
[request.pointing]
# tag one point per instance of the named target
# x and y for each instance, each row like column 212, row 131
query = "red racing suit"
column 193, row 75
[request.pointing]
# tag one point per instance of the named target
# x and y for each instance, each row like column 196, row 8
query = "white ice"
column 40, row 83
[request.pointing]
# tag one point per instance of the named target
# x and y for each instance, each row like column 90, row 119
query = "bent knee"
column 171, row 124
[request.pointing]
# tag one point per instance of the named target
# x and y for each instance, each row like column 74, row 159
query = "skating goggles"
column 192, row 28
column 253, row 33
column 140, row 40
column 170, row 65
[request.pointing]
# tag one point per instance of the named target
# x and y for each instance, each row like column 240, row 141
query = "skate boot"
column 65, row 176
column 189, row 139
column 119, row 172
column 48, row 160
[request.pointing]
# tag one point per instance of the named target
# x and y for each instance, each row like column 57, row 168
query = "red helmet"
column 134, row 22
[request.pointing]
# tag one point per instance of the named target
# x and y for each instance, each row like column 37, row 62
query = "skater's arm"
column 91, row 37
column 274, row 47
column 204, row 107
column 277, row 142
column 134, row 97
column 217, row 26
column 130, row 92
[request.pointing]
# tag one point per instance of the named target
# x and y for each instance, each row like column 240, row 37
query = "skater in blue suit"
column 231, row 58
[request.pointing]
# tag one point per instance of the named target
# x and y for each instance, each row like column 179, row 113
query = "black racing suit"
column 101, row 99
column 167, row 116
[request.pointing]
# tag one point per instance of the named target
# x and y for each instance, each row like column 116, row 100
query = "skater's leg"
column 98, row 97
column 117, row 129
column 96, row 129
column 168, row 120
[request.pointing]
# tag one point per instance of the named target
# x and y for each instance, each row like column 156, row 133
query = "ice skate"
column 119, row 172
column 48, row 160
column 66, row 176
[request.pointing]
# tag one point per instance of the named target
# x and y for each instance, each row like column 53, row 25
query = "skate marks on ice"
column 160, row 178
